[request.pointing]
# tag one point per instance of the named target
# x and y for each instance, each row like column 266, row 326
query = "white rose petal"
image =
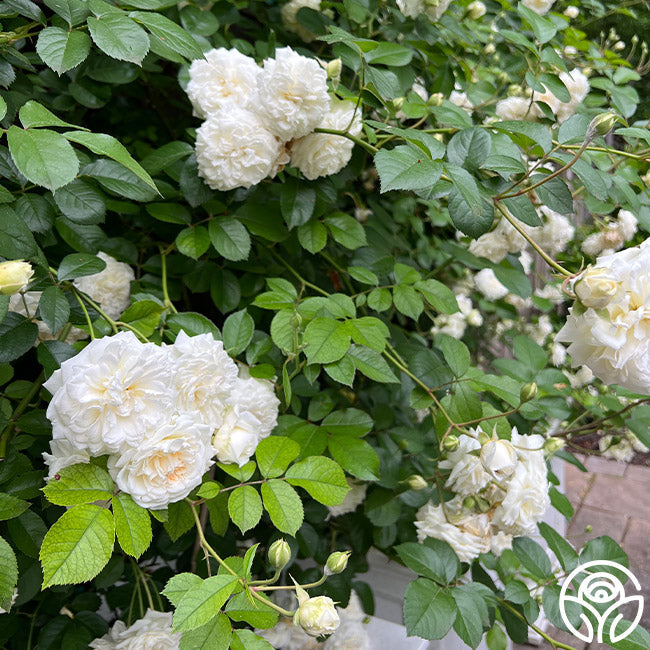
column 153, row 632
column 63, row 455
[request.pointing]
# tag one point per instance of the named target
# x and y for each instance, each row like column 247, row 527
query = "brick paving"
column 610, row 499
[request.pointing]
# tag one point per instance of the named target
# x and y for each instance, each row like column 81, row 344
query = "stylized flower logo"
column 600, row 594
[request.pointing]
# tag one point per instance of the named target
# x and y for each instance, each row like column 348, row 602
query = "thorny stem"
column 547, row 258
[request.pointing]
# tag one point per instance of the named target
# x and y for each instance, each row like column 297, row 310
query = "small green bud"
column 469, row 503
column 337, row 562
column 451, row 443
column 552, row 445
column 295, row 320
column 334, row 68
column 602, row 124
column 435, row 99
column 528, row 392
column 588, row 528
column 416, row 482
column 279, row 554
column 398, row 102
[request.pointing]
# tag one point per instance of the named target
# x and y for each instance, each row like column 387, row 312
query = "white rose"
column 110, row 394
column 499, row 458
column 461, row 99
column 468, row 475
column 514, row 108
column 622, row 451
column 14, row 276
column 153, row 632
column 291, row 94
column 614, row 342
column 572, row 12
column 289, row 14
column 111, row 288
column 353, row 498
column 317, row 616
column 63, row 455
column 204, row 376
column 167, row 465
column 234, row 149
column 476, row 9
column 323, row 154
column 596, row 288
column 540, row 7
column 489, row 285
column 578, row 86
column 500, row 542
column 627, row 224
column 225, row 79
column 411, row 8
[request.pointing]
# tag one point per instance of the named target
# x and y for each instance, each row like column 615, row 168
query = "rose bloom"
column 489, row 285
column 614, row 341
column 153, row 632
column 468, row 476
column 224, row 79
column 111, row 288
column 291, row 95
column 167, row 465
column 109, row 394
column 289, row 14
column 64, row 454
column 317, row 616
column 499, row 458
column 14, row 276
column 432, row 8
column 204, row 376
column 323, row 154
column 234, row 149
column 514, row 108
column 540, row 7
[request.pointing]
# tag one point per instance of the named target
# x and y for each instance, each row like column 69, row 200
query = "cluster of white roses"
column 613, row 235
column 621, row 447
column 501, row 491
column 455, row 324
column 152, row 632
column 432, row 8
column 608, row 327
column 525, row 108
column 258, row 119
column 161, row 413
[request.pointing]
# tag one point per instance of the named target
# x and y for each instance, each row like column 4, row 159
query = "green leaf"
column 429, row 611
column 168, row 31
column 408, row 301
column 132, row 525
column 245, row 507
column 193, row 324
column 202, row 602
column 116, row 178
column 312, row 236
column 178, row 585
column 248, row 640
column 72, row 11
column 214, row 635
column 61, row 49
column 33, row 114
column 3, row 108
column 472, row 614
column 43, row 156
column 11, row 506
column 193, row 241
column 54, row 308
column 16, row 240
column 166, row 156
column 17, row 336
column 530, row 353
column 230, row 238
column 238, row 331
column 406, row 168
column 440, row 297
column 77, row 546
column 241, row 610
column 283, row 505
column 144, row 316
column 81, row 202
column 77, row 265
column 440, row 565
column 456, row 354
column 342, row 371
column 297, row 202
column 8, row 574
column 355, row 456
column 80, row 483
column 327, row 340
column 346, row 230
column 564, row 552
column 349, row 422
column 106, row 145
column 274, row 454
column 527, row 134
column 321, row 477
column 603, row 548
column 554, row 193
column 169, row 212
column 522, row 208
column 372, row 365
column 532, row 556
column 517, row 592
column 120, row 37
column 469, row 148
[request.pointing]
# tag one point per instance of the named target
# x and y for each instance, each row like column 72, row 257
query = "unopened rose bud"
column 14, row 276
column 489, row 49
column 596, row 288
column 553, row 445
column 435, row 99
column 417, row 482
column 528, row 392
column 499, row 458
column 398, row 102
column 475, row 10
column 618, row 46
column 279, row 554
column 296, row 319
column 337, row 562
column 317, row 616
column 572, row 12
column 334, row 68
column 451, row 443
column 602, row 124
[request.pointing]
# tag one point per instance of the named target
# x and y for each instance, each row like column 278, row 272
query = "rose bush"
column 283, row 283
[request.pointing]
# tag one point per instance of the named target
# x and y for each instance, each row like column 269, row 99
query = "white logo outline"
column 607, row 587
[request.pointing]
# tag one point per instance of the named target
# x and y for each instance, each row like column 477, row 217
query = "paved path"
column 610, row 499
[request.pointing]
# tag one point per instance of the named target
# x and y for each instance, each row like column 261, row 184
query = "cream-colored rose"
column 153, row 632
column 467, row 473
column 499, row 458
column 14, row 276
column 317, row 616
column 63, row 455
column 596, row 288
column 167, row 465
column 476, row 9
